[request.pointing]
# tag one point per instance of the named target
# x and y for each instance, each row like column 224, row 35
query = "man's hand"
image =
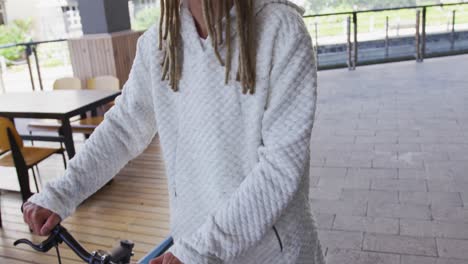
column 40, row 220
column 166, row 258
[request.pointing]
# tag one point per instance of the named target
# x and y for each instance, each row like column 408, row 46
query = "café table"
column 60, row 105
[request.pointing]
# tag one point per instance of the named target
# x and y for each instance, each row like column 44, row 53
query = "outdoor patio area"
column 389, row 174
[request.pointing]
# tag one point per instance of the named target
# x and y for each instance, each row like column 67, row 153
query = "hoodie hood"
column 260, row 4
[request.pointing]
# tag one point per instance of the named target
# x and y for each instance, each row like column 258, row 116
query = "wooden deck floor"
column 134, row 207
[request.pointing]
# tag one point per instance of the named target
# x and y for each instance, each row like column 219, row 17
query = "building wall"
column 49, row 19
column 18, row 9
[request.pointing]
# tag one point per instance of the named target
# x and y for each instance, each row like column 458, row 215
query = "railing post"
column 355, row 21
column 417, row 39
column 28, row 52
column 348, row 42
column 452, row 37
column 423, row 48
column 386, row 36
column 38, row 68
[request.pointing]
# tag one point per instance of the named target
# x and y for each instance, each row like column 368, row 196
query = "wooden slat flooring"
column 135, row 207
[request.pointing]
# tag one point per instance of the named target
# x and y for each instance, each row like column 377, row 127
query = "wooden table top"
column 53, row 104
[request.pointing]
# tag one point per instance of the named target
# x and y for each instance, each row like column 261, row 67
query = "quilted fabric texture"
column 237, row 164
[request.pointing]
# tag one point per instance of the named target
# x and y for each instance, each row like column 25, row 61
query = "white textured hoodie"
column 237, row 164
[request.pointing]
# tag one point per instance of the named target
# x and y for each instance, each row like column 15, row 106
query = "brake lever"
column 52, row 241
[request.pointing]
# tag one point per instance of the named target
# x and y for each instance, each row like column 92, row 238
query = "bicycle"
column 120, row 254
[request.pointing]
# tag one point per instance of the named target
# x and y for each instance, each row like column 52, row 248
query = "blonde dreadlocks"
column 169, row 39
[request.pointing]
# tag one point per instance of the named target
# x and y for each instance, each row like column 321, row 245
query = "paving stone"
column 327, row 172
column 451, row 261
column 355, row 132
column 372, row 173
column 443, row 147
column 321, row 193
column 395, row 210
column 340, row 239
column 455, row 169
column 423, row 228
column 447, row 185
column 347, row 256
column 346, row 147
column 363, row 196
column 419, row 174
column 452, row 199
column 338, row 207
column 336, row 139
column 450, row 214
column 324, row 221
column 458, row 155
column 394, row 162
column 423, row 156
column 347, row 162
column 397, row 133
column 343, row 182
column 399, row 184
column 317, row 161
column 382, row 125
column 377, row 139
column 400, row 244
column 408, row 259
column 453, row 248
column 366, row 224
column 397, row 147
column 464, row 196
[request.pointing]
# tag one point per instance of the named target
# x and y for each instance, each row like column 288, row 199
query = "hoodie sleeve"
column 126, row 131
column 243, row 221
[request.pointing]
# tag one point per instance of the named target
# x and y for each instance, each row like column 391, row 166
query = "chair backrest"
column 104, row 83
column 67, row 83
column 5, row 123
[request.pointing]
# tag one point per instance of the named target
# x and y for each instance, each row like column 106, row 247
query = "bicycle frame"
column 157, row 251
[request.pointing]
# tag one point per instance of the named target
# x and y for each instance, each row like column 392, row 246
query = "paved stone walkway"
column 390, row 163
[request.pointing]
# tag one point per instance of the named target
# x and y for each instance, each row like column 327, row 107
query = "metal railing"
column 352, row 47
column 348, row 50
column 31, row 50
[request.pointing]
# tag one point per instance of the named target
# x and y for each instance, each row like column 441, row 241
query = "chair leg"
column 64, row 160
column 35, row 180
column 32, row 141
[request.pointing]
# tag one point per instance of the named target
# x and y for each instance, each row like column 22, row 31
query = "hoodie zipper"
column 279, row 239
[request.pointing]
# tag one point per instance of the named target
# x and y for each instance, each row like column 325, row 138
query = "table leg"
column 68, row 137
column 21, row 167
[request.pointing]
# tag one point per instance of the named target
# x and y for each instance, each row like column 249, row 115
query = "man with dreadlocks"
column 230, row 89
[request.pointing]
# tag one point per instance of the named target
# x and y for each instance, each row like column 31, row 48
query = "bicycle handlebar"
column 121, row 254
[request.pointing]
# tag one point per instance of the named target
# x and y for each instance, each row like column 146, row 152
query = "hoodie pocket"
column 280, row 243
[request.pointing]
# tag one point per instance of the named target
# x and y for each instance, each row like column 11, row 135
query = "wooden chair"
column 32, row 155
column 67, row 83
column 29, row 157
column 104, row 82
column 89, row 124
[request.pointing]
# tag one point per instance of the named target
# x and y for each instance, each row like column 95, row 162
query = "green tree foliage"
column 145, row 18
column 16, row 32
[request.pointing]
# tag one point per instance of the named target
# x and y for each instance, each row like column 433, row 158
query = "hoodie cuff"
column 51, row 204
